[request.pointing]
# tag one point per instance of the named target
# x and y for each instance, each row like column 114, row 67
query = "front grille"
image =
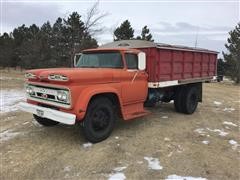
column 44, row 94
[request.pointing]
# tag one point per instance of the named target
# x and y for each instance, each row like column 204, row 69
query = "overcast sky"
column 170, row 21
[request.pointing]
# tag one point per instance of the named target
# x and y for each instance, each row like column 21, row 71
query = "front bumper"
column 62, row 117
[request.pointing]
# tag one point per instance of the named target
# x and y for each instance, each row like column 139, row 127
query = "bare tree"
column 93, row 20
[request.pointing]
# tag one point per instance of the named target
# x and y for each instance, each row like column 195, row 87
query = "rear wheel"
column 99, row 120
column 186, row 99
column 45, row 121
column 178, row 100
column 190, row 100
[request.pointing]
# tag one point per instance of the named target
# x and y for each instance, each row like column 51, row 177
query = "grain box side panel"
column 151, row 63
column 165, row 65
column 188, row 65
column 177, row 64
column 197, row 65
column 168, row 65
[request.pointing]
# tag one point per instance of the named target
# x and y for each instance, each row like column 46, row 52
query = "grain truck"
column 118, row 80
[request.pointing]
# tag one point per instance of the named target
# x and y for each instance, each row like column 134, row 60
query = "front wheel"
column 99, row 120
column 45, row 121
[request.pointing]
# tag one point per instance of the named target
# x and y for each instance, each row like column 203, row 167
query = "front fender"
column 86, row 95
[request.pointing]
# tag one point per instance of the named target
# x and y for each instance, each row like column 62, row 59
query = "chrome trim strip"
column 49, row 102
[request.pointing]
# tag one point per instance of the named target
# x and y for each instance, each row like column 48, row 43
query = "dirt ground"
column 205, row 144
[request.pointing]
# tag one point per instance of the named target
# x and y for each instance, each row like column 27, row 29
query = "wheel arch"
column 89, row 95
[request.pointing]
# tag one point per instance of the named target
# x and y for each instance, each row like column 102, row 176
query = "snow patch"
column 176, row 177
column 8, row 118
column 203, row 132
column 119, row 169
column 166, row 139
column 205, row 142
column 153, row 163
column 200, row 131
column 139, row 162
column 9, row 100
column 234, row 144
column 221, row 132
column 117, row 176
column 217, row 103
column 228, row 109
column 8, row 134
column 164, row 117
column 229, row 123
column 170, row 154
column 25, row 123
column 87, row 145
column 67, row 169
column 10, row 78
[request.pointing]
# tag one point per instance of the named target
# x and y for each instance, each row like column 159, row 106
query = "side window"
column 131, row 60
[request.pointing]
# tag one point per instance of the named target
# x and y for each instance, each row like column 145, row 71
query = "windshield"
column 100, row 60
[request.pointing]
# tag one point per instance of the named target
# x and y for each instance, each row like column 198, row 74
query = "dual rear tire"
column 186, row 99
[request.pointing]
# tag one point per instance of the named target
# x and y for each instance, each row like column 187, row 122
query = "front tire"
column 45, row 121
column 99, row 120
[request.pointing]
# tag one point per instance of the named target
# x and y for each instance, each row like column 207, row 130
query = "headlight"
column 30, row 76
column 63, row 96
column 30, row 90
column 57, row 77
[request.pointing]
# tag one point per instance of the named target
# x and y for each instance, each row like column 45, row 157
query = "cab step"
column 133, row 111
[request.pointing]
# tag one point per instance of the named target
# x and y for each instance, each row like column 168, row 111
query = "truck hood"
column 80, row 75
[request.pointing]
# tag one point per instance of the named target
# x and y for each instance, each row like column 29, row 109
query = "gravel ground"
column 162, row 145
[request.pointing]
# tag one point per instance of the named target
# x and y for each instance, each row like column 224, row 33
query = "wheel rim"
column 101, row 119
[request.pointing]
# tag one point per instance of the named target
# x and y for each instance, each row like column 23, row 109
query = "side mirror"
column 76, row 58
column 141, row 61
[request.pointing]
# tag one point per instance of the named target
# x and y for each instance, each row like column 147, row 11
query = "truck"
column 118, row 80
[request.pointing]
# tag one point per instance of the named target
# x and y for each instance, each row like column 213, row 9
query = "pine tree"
column 232, row 57
column 6, row 51
column 146, row 35
column 221, row 67
column 124, row 31
column 45, row 46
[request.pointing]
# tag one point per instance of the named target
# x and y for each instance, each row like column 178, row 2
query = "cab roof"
column 110, row 49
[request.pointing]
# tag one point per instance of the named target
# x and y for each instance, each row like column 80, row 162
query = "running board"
column 133, row 111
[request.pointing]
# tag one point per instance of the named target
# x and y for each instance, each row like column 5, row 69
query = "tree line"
column 55, row 45
column 45, row 46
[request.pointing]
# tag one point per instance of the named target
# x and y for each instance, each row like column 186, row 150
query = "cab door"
column 134, row 81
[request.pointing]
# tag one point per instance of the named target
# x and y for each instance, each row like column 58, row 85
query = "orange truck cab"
column 117, row 80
